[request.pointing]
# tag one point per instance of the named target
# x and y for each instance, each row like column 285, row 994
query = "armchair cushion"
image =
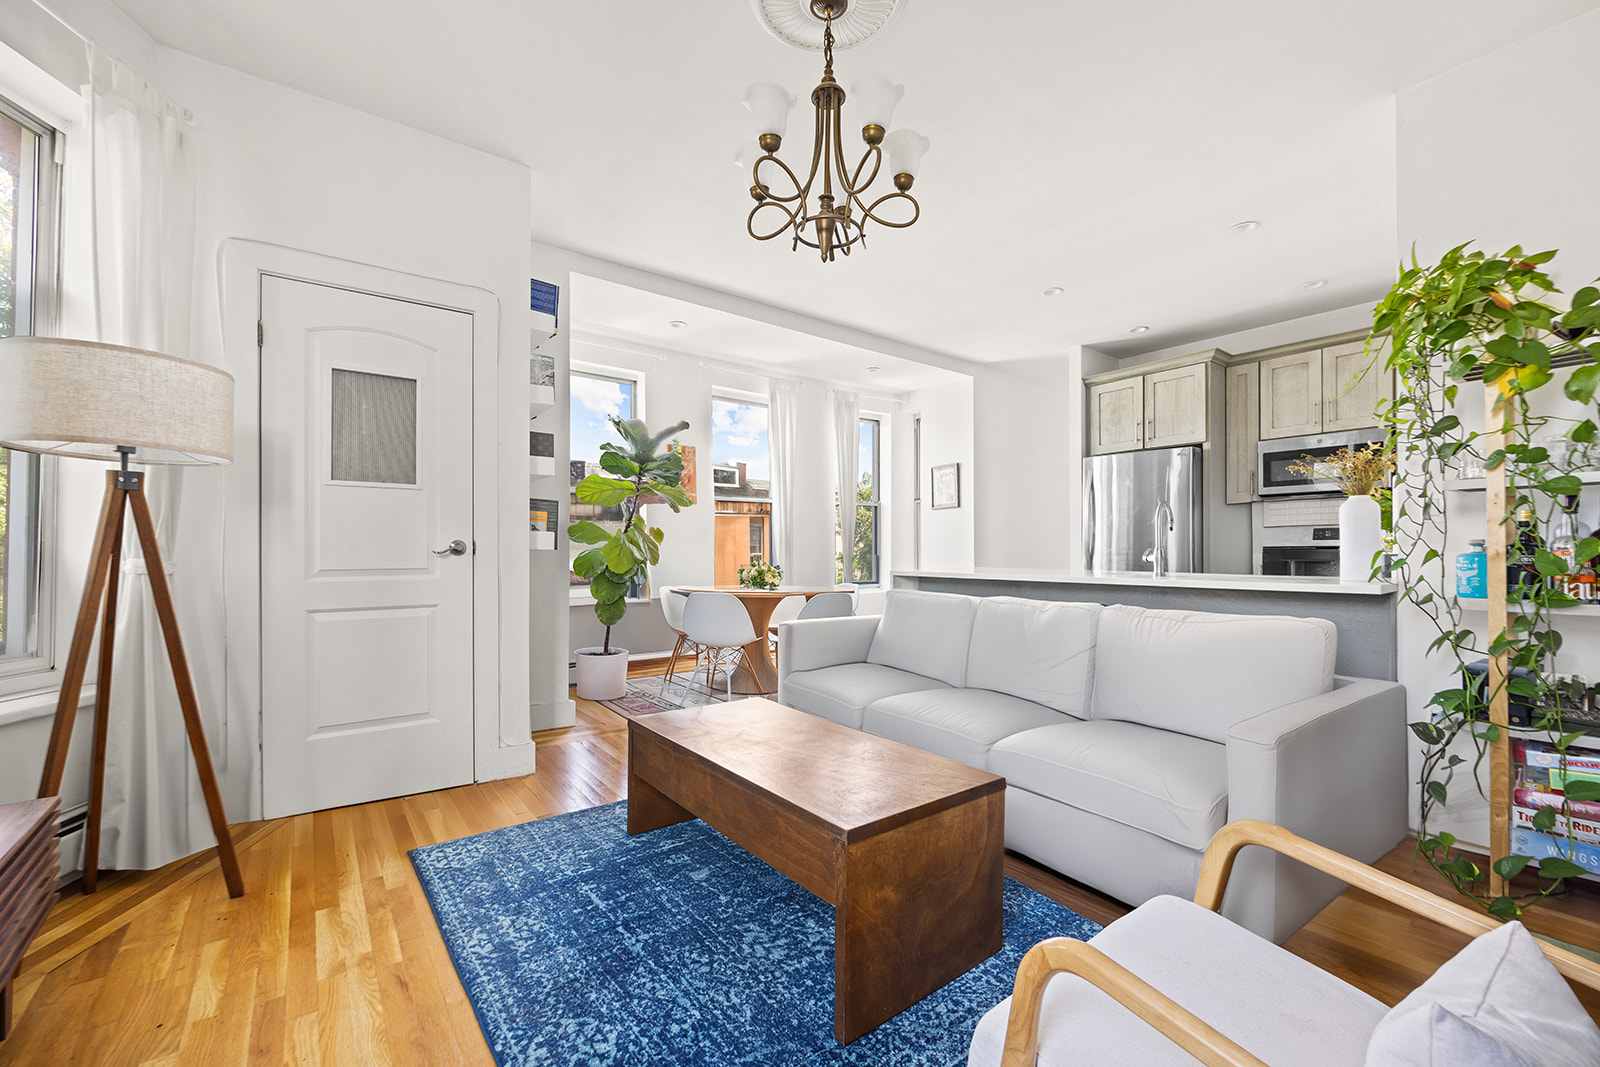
column 1171, row 785
column 1035, row 650
column 841, row 693
column 1498, row 1003
column 925, row 633
column 1199, row 673
column 1278, row 1006
column 959, row 724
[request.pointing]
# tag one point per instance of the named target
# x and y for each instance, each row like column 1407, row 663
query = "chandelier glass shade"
column 845, row 200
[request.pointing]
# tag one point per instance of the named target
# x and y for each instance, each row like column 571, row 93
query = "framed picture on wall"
column 947, row 486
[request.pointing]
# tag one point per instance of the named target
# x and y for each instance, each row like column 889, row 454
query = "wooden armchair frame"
column 1193, row 1034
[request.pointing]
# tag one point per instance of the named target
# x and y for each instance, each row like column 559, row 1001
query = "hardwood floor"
column 332, row 956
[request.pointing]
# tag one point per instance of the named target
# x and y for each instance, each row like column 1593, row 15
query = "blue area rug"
column 580, row 945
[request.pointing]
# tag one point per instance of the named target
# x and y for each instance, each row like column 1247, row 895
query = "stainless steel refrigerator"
column 1120, row 495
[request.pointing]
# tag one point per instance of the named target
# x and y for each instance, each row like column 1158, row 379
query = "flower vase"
column 1360, row 537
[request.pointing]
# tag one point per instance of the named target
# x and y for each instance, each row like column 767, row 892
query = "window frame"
column 876, row 504
column 26, row 674
column 579, row 594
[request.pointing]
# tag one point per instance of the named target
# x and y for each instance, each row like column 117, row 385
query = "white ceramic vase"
column 602, row 677
column 1360, row 537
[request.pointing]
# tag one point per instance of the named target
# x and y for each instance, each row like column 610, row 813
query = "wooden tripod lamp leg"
column 106, row 534
column 186, row 698
column 102, row 712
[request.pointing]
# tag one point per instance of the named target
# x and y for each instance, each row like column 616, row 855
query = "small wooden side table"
column 28, row 874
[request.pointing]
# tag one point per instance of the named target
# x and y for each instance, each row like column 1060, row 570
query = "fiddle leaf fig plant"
column 1496, row 317
column 620, row 559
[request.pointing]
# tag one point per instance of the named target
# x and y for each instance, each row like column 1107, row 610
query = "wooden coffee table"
column 907, row 846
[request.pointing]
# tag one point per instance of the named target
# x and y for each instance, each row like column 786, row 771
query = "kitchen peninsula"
column 1364, row 612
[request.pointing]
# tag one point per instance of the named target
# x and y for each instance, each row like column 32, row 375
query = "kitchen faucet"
column 1157, row 556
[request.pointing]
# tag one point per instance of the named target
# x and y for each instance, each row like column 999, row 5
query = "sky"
column 739, row 435
column 592, row 400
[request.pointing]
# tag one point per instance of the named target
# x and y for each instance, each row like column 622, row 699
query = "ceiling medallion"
column 792, row 22
column 835, row 226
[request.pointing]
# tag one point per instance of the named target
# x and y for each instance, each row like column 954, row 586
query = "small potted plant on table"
column 620, row 559
column 759, row 575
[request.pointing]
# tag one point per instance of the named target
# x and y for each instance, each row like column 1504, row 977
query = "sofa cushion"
column 1199, row 673
column 842, row 692
column 1037, row 650
column 959, row 724
column 1499, row 1001
column 925, row 633
column 1278, row 1006
column 1168, row 784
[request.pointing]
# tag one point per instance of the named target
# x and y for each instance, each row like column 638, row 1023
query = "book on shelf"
column 1581, row 827
column 1525, row 842
column 1544, row 754
column 542, row 514
column 1534, row 798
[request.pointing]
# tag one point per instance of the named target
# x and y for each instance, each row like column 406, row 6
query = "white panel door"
column 366, row 474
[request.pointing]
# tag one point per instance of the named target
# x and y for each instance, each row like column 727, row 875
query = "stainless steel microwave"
column 1274, row 457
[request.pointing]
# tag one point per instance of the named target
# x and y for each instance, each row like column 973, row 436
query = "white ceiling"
column 1104, row 148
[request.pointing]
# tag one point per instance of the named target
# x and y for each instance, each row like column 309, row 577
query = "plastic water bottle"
column 1472, row 572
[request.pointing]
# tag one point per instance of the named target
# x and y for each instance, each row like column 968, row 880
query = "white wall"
column 1022, row 471
column 948, row 535
column 1454, row 187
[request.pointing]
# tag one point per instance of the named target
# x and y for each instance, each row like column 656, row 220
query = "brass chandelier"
column 839, row 221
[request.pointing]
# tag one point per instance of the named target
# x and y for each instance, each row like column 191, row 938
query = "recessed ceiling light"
column 677, row 324
column 1314, row 283
column 1244, row 227
column 1054, row 290
column 1140, row 329
column 873, row 370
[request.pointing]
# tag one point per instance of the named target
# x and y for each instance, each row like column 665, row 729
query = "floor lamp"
column 105, row 402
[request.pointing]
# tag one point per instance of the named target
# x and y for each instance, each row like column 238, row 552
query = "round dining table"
column 755, row 673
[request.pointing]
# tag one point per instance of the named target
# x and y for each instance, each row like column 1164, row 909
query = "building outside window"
column 741, row 481
column 865, row 537
column 28, row 194
column 595, row 398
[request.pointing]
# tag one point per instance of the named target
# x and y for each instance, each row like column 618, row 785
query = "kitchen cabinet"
column 1354, row 383
column 1116, row 416
column 1175, row 406
column 1291, row 395
column 1243, row 421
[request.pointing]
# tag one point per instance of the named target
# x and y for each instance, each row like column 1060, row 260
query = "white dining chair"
column 672, row 604
column 721, row 626
column 829, row 605
column 788, row 608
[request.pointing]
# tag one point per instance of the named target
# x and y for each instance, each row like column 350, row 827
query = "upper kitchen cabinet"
column 1323, row 390
column 1116, row 416
column 1291, row 395
column 1244, row 430
column 1175, row 406
column 1354, row 383
column 1161, row 405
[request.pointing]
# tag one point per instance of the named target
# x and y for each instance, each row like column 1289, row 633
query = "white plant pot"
column 602, row 677
column 1360, row 537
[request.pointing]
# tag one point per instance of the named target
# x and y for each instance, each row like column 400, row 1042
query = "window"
column 595, row 398
column 28, row 195
column 741, row 481
column 865, row 538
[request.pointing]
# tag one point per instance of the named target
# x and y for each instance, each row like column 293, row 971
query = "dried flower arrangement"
column 1360, row 471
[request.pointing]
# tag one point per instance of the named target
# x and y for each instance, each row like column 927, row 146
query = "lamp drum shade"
column 83, row 398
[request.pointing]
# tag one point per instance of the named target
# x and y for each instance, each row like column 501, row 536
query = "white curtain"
column 783, row 438
column 846, row 457
column 144, row 184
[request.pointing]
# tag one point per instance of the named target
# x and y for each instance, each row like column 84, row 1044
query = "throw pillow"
column 1497, row 1003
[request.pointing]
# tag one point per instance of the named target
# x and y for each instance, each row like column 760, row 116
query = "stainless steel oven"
column 1274, row 457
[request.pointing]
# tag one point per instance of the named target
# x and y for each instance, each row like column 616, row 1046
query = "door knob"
column 457, row 547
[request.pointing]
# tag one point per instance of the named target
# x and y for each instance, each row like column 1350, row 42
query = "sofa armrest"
column 807, row 644
column 1331, row 768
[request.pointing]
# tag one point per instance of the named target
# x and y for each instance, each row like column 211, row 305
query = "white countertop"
column 1262, row 583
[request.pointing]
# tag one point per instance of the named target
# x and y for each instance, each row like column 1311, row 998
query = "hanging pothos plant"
column 1473, row 315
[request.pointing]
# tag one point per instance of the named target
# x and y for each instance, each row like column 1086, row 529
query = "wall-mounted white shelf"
column 541, row 467
column 1476, row 485
column 1481, row 604
column 541, row 398
column 542, row 540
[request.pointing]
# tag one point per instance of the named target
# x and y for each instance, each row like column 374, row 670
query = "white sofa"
column 1128, row 736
